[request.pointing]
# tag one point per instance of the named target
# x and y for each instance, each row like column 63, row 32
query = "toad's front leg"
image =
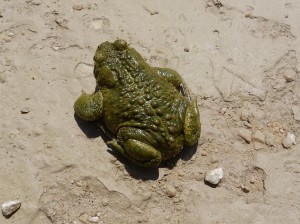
column 89, row 106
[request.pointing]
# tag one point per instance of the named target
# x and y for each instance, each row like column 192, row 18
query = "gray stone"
column 25, row 110
column 258, row 136
column 289, row 140
column 78, row 7
column 245, row 134
column 270, row 139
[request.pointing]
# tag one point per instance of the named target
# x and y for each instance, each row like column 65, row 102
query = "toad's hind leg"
column 170, row 75
column 138, row 152
column 192, row 126
column 131, row 144
column 174, row 78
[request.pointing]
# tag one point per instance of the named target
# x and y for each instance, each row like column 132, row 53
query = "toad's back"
column 143, row 99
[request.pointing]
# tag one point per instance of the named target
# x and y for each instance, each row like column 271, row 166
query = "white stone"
column 289, row 140
column 170, row 191
column 78, row 7
column 94, row 219
column 215, row 176
column 8, row 208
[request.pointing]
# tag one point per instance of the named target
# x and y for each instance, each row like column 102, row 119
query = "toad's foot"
column 89, row 107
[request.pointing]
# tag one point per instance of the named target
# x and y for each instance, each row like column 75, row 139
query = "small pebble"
column 289, row 74
column 11, row 34
column 247, row 124
column 25, row 110
column 176, row 200
column 94, row 219
column 186, row 49
column 223, row 110
column 199, row 176
column 289, row 140
column 180, row 173
column 215, row 176
column 22, row 147
column 105, row 202
column 84, row 217
column 204, row 153
column 79, row 183
column 258, row 136
column 48, row 145
column 33, row 2
column 7, row 39
column 270, row 139
column 147, row 196
column 245, row 134
column 244, row 115
column 155, row 12
column 244, row 188
column 214, row 160
column 170, row 191
column 10, row 207
column 252, row 180
column 78, row 7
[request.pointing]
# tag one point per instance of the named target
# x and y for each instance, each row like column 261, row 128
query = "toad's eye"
column 99, row 57
column 120, row 45
column 105, row 77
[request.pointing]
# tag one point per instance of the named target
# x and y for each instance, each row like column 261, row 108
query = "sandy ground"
column 238, row 57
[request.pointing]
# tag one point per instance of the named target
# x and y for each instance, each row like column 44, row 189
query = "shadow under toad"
column 135, row 171
column 93, row 130
column 145, row 173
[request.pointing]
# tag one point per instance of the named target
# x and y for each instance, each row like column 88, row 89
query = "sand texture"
column 239, row 58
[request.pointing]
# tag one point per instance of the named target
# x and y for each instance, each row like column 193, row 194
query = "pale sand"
column 238, row 53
